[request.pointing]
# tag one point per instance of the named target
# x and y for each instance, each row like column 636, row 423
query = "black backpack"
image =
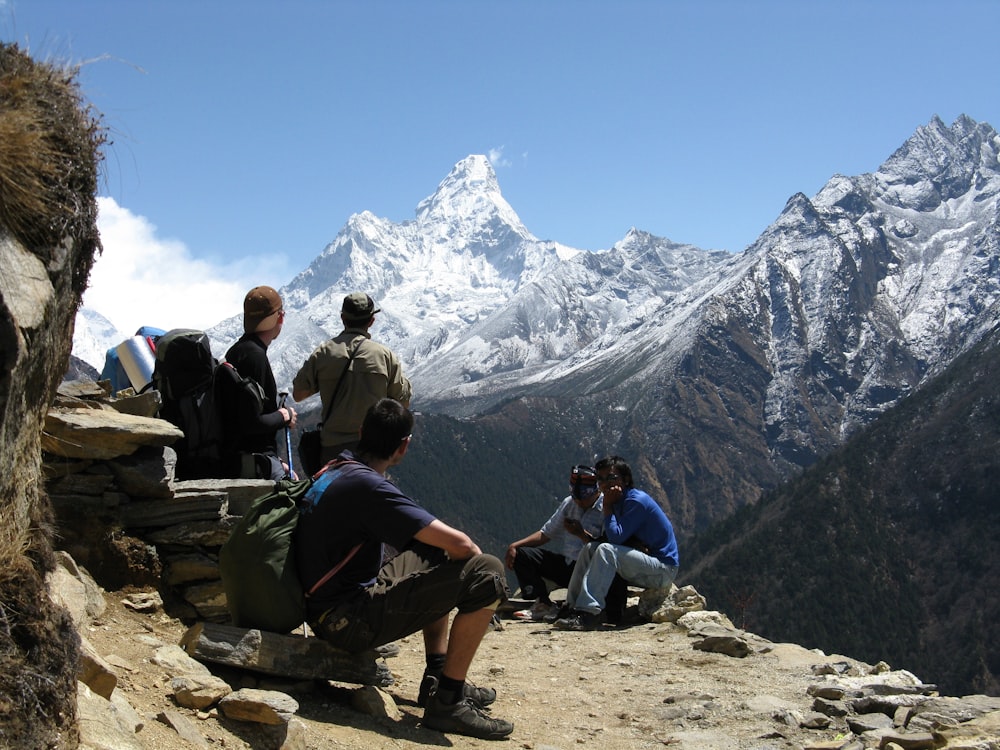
column 184, row 374
column 205, row 398
column 236, row 397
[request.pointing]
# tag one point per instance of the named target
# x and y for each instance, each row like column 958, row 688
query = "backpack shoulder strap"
column 340, row 381
column 336, row 569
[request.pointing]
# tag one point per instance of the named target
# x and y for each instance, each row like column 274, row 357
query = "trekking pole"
column 288, row 435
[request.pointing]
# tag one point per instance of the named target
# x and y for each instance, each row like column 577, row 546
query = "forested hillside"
column 505, row 454
column 886, row 548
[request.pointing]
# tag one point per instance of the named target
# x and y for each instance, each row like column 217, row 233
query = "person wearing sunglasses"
column 250, row 446
column 638, row 544
column 577, row 521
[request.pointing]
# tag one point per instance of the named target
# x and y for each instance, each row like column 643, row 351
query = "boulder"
column 199, row 691
column 103, row 433
column 102, row 724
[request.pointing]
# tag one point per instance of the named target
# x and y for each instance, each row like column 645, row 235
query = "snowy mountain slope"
column 562, row 320
column 724, row 372
column 93, row 335
column 469, row 294
column 880, row 281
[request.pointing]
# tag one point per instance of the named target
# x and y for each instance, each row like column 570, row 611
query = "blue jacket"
column 640, row 516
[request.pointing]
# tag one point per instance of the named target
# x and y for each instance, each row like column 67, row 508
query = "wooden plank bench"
column 293, row 656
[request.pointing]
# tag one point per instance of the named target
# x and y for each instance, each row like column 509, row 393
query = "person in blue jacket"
column 638, row 544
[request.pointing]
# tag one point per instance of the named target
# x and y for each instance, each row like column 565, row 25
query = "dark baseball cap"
column 358, row 306
column 582, row 481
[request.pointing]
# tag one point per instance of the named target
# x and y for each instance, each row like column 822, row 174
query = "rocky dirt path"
column 635, row 687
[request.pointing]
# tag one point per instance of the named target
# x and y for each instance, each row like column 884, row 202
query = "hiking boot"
column 464, row 718
column 579, row 620
column 538, row 612
column 481, row 697
column 560, row 612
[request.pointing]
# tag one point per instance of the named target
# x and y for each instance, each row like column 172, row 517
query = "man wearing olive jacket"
column 350, row 373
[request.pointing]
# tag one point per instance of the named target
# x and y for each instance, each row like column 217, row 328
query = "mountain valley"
column 720, row 376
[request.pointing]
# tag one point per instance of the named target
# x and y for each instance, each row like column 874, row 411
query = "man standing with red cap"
column 251, row 445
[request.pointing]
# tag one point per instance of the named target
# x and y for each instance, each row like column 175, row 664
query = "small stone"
column 143, row 601
column 375, row 702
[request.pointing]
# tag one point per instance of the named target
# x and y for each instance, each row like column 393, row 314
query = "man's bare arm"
column 300, row 394
column 456, row 543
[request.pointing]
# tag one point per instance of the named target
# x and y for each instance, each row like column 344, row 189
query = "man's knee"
column 606, row 554
column 483, row 563
column 485, row 584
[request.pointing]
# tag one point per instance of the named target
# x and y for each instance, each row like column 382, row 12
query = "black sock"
column 449, row 690
column 435, row 663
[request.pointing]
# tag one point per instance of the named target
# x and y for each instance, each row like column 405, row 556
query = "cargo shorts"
column 413, row 590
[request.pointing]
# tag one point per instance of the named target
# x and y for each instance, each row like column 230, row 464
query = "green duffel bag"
column 257, row 562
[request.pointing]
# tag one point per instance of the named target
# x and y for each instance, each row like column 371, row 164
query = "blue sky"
column 244, row 134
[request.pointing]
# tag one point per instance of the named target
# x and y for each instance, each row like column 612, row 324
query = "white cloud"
column 496, row 157
column 141, row 279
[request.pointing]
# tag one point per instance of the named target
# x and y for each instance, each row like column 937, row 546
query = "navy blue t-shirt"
column 348, row 504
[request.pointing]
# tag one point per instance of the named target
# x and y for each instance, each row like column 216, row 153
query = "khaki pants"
column 413, row 590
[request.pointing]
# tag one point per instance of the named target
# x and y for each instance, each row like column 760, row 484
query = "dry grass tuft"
column 50, row 146
column 15, row 541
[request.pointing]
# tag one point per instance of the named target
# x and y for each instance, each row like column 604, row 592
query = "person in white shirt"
column 578, row 520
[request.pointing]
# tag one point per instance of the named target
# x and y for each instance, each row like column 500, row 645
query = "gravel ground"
column 642, row 686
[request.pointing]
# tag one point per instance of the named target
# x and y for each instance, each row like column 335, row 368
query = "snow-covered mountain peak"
column 637, row 242
column 635, row 237
column 474, row 170
column 640, row 256
column 939, row 163
column 464, row 227
column 468, row 201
